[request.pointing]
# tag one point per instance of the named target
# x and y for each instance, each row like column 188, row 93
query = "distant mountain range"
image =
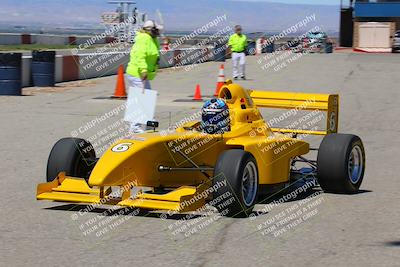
column 178, row 15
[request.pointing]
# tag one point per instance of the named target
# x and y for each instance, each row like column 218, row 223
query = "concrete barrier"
column 167, row 59
column 26, row 39
column 10, row 39
column 94, row 65
column 207, row 54
column 189, row 56
column 26, row 72
column 90, row 64
column 81, row 40
column 48, row 39
column 70, row 67
column 59, row 68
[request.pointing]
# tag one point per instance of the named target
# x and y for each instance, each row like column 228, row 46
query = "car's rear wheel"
column 236, row 181
column 74, row 156
column 341, row 163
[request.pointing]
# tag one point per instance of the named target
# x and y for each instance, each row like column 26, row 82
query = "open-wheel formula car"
column 226, row 163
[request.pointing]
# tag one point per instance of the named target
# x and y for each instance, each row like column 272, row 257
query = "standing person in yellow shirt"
column 238, row 44
column 144, row 56
column 143, row 63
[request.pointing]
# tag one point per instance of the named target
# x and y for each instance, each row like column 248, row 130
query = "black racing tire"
column 74, row 156
column 341, row 163
column 230, row 183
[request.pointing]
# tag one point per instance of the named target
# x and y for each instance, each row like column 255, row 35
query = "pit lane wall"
column 49, row 39
column 91, row 64
column 81, row 65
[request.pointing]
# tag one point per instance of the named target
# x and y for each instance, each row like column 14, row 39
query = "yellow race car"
column 228, row 158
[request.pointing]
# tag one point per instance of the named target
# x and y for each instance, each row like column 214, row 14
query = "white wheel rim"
column 249, row 183
column 355, row 164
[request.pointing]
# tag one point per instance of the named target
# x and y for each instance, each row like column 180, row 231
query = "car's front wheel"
column 74, row 156
column 236, row 183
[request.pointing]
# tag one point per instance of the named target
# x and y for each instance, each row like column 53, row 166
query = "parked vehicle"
column 396, row 42
column 295, row 46
column 315, row 42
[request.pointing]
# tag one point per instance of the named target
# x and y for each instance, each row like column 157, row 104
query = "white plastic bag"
column 140, row 105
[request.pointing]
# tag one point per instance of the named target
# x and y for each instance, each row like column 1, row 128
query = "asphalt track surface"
column 334, row 230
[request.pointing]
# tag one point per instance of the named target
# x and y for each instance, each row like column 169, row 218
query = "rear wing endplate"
column 328, row 103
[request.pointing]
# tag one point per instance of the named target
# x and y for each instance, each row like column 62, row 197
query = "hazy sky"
column 277, row 14
column 311, row 2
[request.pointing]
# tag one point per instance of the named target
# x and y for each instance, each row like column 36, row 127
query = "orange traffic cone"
column 120, row 91
column 220, row 80
column 197, row 93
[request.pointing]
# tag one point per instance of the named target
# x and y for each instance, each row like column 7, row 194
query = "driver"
column 215, row 117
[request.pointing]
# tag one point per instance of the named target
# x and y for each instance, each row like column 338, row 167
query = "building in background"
column 346, row 24
column 369, row 25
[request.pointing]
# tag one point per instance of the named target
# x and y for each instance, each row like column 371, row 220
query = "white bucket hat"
column 151, row 24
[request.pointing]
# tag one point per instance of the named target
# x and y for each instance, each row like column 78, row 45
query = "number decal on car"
column 121, row 147
column 332, row 122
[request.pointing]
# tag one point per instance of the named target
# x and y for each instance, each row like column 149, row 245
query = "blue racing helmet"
column 215, row 116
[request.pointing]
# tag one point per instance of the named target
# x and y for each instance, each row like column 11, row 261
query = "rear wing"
column 301, row 101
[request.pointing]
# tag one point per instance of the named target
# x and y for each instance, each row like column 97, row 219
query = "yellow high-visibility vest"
column 144, row 56
column 238, row 43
